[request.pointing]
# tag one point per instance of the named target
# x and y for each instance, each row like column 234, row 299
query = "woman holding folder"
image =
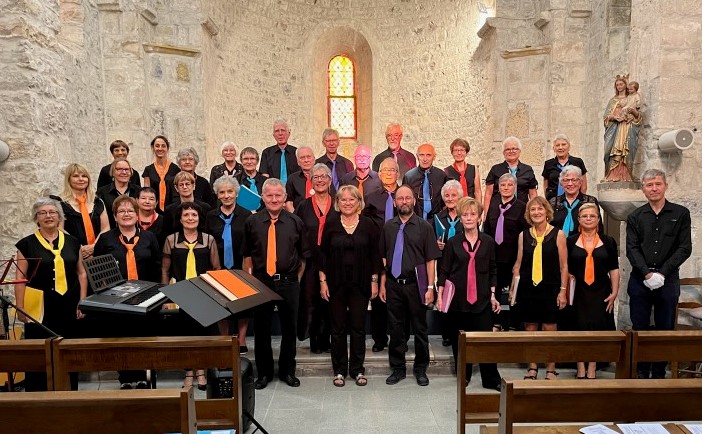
column 468, row 269
column 59, row 283
column 187, row 254
column 593, row 263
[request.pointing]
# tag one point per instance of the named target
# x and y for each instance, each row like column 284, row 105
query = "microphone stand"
column 5, row 303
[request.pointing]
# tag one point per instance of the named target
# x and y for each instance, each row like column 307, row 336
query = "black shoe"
column 261, row 383
column 243, row 349
column 446, row 342
column 378, row 348
column 422, row 378
column 657, row 376
column 396, row 376
column 643, row 375
column 497, row 387
column 125, row 386
column 291, row 380
column 142, row 385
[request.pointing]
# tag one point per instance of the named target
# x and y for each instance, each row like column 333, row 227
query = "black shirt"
column 343, row 165
column 552, row 172
column 419, row 245
column 415, row 179
column 445, row 220
column 452, row 173
column 109, row 193
column 105, row 178
column 515, row 223
column 73, row 221
column 454, row 267
column 171, row 223
column 147, row 253
column 309, row 218
column 258, row 179
column 205, row 253
column 362, row 244
column 560, row 212
column 220, row 170
column 525, row 179
column 375, row 206
column 371, row 183
column 215, row 225
column 202, row 191
column 291, row 242
column 658, row 242
column 154, row 180
column 296, row 188
column 157, row 228
column 270, row 160
column 405, row 159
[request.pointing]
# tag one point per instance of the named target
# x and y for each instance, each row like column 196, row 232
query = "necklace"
column 350, row 225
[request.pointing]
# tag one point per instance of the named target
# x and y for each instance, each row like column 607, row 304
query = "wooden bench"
column 111, row 354
column 665, row 345
column 103, row 411
column 528, row 401
column 30, row 355
column 523, row 347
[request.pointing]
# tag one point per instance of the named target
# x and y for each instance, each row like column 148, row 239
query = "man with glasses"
column 426, row 182
column 279, row 160
column 404, row 158
column 338, row 164
column 526, row 180
column 299, row 186
column 363, row 178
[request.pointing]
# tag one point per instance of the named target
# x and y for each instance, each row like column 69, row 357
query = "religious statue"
column 622, row 120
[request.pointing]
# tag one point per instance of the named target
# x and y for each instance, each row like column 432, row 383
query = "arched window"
column 341, row 99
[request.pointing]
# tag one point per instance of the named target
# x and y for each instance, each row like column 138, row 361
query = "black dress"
column 588, row 300
column 154, row 180
column 73, row 221
column 538, row 304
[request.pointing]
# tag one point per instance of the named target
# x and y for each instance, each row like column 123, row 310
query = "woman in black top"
column 467, row 256
column 188, row 160
column 60, row 299
column 348, row 272
column 315, row 211
column 553, row 167
column 526, row 180
column 542, row 272
column 148, row 218
column 251, row 178
column 118, row 149
column 226, row 224
column 565, row 206
column 121, row 172
column 466, row 174
column 229, row 167
column 159, row 175
column 187, row 254
column 84, row 214
column 592, row 261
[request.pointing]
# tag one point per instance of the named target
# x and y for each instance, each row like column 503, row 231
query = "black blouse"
column 104, row 178
column 109, row 193
column 202, row 192
column 214, row 225
column 454, row 267
column 363, row 243
column 309, row 218
column 146, row 252
column 73, row 221
column 205, row 251
column 515, row 223
column 154, row 179
column 552, row 171
column 220, row 170
column 526, row 180
column 560, row 212
column 452, row 173
column 605, row 259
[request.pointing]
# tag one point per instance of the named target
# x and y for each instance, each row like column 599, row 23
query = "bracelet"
column 563, row 288
column 321, row 281
column 430, row 287
column 374, row 279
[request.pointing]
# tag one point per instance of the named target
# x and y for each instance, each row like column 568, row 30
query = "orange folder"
column 230, row 282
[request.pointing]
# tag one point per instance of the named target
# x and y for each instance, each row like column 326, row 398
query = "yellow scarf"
column 59, row 266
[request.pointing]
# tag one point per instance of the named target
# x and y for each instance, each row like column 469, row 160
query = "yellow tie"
column 59, row 267
column 190, row 270
column 271, row 257
column 536, row 272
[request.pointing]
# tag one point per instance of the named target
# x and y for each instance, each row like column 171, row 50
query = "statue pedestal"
column 619, row 199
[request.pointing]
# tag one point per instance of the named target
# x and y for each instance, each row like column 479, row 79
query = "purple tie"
column 335, row 177
column 472, row 290
column 396, row 269
column 500, row 230
column 389, row 207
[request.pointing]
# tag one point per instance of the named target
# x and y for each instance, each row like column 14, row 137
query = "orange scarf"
column 321, row 216
column 162, row 171
column 132, row 273
column 87, row 224
column 462, row 178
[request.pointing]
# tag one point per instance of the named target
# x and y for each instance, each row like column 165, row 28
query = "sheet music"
column 597, row 429
column 642, row 428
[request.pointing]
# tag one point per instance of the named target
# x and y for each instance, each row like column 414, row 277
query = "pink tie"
column 472, row 281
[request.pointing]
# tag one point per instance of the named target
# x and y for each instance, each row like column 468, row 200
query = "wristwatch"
column 430, row 287
column 374, row 279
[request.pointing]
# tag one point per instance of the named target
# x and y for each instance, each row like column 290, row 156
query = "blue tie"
column 396, row 268
column 389, row 207
column 568, row 223
column 426, row 193
column 335, row 177
column 227, row 238
column 252, row 181
column 452, row 229
column 514, row 172
column 559, row 187
column 283, row 167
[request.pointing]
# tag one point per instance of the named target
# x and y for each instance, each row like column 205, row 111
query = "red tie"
column 472, row 281
column 462, row 178
column 308, row 186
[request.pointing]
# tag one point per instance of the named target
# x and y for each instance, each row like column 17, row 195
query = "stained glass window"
column 342, row 97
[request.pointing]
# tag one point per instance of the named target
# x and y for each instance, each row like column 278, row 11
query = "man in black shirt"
column 658, row 241
column 282, row 153
column 407, row 246
column 426, row 182
column 299, row 185
column 338, row 165
column 279, row 263
column 363, row 178
column 405, row 159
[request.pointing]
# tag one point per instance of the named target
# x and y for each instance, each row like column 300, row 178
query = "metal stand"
column 255, row 422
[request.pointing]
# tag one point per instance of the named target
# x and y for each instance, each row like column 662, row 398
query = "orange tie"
column 462, row 178
column 87, row 224
column 132, row 273
column 271, row 252
column 308, row 186
column 162, row 171
column 360, row 185
column 589, row 261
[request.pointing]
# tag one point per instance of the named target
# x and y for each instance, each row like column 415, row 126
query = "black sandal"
column 532, row 377
column 555, row 374
column 361, row 380
column 339, row 380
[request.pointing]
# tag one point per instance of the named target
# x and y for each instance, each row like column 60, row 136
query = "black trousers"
column 473, row 322
column 403, row 302
column 379, row 322
column 662, row 302
column 263, row 316
column 348, row 309
column 313, row 314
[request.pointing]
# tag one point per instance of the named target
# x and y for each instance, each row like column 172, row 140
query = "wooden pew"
column 28, row 355
column 665, row 345
column 522, row 347
column 103, row 411
column 111, row 354
column 549, row 402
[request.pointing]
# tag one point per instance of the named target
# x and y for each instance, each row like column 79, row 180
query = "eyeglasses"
column 122, row 169
column 512, row 149
column 184, row 184
column 570, row 180
column 362, row 157
column 390, row 170
column 393, row 136
column 331, row 140
column 47, row 213
column 125, row 211
column 320, row 177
